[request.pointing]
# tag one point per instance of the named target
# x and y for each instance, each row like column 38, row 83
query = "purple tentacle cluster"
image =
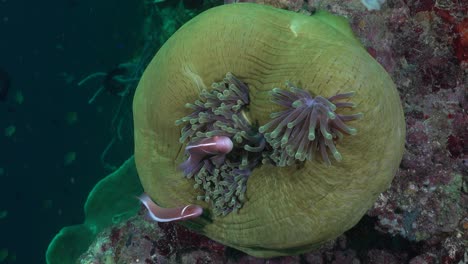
column 307, row 125
column 220, row 112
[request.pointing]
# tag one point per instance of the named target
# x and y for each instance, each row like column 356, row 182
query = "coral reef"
column 141, row 240
column 425, row 199
column 423, row 217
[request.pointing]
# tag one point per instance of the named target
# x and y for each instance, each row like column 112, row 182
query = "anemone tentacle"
column 307, row 125
column 219, row 113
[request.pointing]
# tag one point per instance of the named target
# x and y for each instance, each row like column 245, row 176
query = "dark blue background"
column 41, row 43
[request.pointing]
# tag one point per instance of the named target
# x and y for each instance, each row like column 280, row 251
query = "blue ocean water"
column 51, row 139
column 57, row 139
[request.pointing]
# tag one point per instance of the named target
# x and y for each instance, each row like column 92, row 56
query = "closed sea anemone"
column 307, row 125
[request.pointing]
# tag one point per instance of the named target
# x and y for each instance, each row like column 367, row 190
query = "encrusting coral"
column 286, row 210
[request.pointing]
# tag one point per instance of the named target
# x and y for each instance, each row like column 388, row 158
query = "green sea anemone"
column 281, row 210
